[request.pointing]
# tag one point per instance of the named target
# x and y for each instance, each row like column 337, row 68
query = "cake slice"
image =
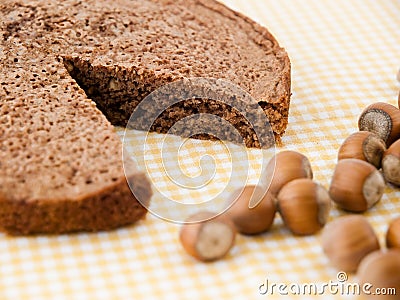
column 60, row 161
column 73, row 68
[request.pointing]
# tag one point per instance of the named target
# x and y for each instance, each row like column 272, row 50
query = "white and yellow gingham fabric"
column 345, row 55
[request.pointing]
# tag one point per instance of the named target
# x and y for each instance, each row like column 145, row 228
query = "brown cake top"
column 184, row 38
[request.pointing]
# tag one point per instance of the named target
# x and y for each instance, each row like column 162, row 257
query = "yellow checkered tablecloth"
column 345, row 55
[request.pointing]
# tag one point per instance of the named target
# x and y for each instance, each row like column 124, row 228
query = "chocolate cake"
column 70, row 69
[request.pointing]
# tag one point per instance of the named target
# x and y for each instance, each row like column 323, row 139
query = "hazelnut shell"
column 206, row 237
column 393, row 234
column 356, row 185
column 304, row 206
column 391, row 163
column 383, row 119
column 347, row 240
column 252, row 210
column 381, row 270
column 398, row 100
column 363, row 145
column 286, row 166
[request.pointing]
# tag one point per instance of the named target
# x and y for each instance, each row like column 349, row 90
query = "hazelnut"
column 398, row 75
column 286, row 166
column 252, row 210
column 391, row 163
column 398, row 100
column 393, row 234
column 304, row 206
column 207, row 237
column 346, row 241
column 356, row 185
column 383, row 119
column 380, row 272
column 363, row 145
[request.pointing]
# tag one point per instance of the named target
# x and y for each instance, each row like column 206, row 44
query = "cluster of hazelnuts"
column 303, row 204
column 367, row 160
column 357, row 184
